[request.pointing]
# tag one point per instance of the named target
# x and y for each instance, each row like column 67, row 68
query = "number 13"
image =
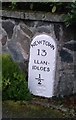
column 41, row 52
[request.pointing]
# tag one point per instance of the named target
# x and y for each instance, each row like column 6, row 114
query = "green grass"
column 14, row 84
column 0, row 72
column 28, row 110
column 38, row 108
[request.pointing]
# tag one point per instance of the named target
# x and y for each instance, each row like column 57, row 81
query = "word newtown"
column 43, row 42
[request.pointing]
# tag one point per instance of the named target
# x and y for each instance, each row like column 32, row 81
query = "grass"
column 40, row 108
column 28, row 110
column 0, row 73
column 14, row 84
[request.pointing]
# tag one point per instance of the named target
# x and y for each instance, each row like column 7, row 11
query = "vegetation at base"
column 41, row 108
column 66, row 8
column 14, row 84
column 28, row 110
column 0, row 73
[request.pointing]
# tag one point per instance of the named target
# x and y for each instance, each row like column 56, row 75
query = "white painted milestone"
column 42, row 65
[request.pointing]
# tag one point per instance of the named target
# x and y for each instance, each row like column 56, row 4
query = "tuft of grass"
column 14, row 84
column 0, row 73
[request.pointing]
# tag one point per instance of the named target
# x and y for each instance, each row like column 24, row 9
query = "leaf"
column 53, row 9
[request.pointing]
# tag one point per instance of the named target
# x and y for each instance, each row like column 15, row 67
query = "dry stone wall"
column 16, row 32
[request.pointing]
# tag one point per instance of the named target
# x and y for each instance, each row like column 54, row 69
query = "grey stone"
column 26, row 29
column 19, row 45
column 65, row 85
column 15, row 14
column 57, row 30
column 49, row 29
column 59, row 33
column 42, row 23
column 3, row 36
column 6, row 13
column 3, row 40
column 66, row 56
column 74, row 57
column 74, row 88
column 30, row 23
column 24, row 67
column 22, row 38
column 43, row 29
column 33, row 16
column 67, row 66
column 68, row 34
column 8, row 26
column 5, row 49
column 70, row 45
column 15, row 52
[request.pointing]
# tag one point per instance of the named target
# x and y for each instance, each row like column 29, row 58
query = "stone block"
column 70, row 45
column 8, row 26
column 26, row 29
column 66, row 56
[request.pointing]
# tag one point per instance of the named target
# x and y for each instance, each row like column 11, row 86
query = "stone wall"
column 16, row 32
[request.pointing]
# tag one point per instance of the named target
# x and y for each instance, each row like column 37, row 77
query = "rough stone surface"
column 66, row 85
column 16, row 36
column 26, row 30
column 33, row 16
column 3, row 36
column 8, row 26
column 66, row 56
column 70, row 45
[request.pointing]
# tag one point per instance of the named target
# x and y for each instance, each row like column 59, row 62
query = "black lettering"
column 37, row 67
column 45, row 62
column 41, row 68
column 41, row 52
column 39, row 42
column 44, row 53
column 38, row 52
column 34, row 44
column 44, row 68
column 48, row 69
column 47, row 43
column 35, row 61
column 34, row 67
column 50, row 45
column 41, row 62
column 53, row 47
column 43, row 42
